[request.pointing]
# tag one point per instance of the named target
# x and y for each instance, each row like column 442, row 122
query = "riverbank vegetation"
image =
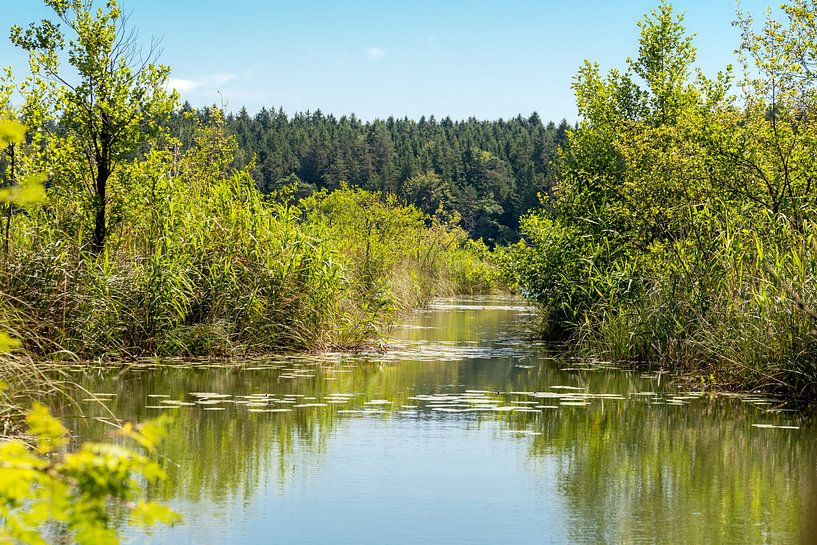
column 147, row 243
column 682, row 225
column 200, row 263
column 677, row 225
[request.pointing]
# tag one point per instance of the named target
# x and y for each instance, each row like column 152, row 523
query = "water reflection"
column 463, row 433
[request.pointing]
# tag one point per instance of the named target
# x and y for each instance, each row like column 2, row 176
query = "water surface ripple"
column 462, row 432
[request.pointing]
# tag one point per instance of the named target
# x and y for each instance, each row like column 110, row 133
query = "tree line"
column 488, row 172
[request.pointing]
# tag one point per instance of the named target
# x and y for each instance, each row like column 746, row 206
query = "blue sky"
column 461, row 58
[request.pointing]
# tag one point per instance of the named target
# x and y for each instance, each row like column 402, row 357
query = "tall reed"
column 200, row 263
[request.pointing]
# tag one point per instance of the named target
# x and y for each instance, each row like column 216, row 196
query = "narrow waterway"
column 461, row 433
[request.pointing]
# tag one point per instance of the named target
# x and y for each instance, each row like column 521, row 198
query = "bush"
column 682, row 226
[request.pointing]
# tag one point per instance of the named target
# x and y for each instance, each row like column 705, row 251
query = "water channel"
column 461, row 432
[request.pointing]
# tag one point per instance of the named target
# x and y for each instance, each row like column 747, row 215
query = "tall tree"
column 110, row 98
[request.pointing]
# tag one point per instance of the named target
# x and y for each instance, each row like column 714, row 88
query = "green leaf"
column 11, row 132
column 147, row 514
column 49, row 433
column 30, row 191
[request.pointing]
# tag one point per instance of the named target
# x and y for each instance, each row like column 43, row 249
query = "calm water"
column 462, row 433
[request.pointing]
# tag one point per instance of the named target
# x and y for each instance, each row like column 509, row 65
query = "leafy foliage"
column 109, row 102
column 47, row 493
column 489, row 172
column 683, row 215
column 31, row 191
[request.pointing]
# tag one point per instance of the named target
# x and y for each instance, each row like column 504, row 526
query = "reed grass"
column 200, row 263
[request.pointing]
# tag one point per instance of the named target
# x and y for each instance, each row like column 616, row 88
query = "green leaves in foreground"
column 41, row 484
column 11, row 132
column 31, row 189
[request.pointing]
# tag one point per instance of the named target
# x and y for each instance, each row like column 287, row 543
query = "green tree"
column 626, row 179
column 490, row 191
column 428, row 192
column 111, row 98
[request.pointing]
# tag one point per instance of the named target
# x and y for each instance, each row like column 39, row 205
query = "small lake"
column 462, row 432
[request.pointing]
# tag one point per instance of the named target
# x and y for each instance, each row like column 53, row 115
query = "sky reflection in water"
column 462, row 433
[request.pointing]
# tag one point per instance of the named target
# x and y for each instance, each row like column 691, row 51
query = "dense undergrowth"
column 199, row 263
column 683, row 225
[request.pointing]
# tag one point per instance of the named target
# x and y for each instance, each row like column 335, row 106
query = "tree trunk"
column 103, row 173
column 100, row 228
column 8, row 206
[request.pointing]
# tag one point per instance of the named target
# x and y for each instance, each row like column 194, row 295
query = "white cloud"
column 181, row 85
column 207, row 82
column 375, row 53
